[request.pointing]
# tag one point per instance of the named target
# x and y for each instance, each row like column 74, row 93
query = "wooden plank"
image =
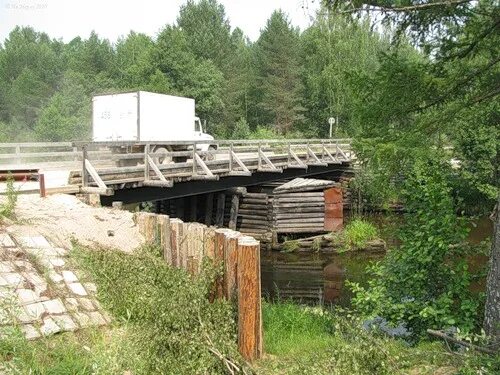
column 96, row 190
column 249, row 299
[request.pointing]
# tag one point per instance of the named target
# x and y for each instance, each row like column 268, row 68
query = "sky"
column 67, row 19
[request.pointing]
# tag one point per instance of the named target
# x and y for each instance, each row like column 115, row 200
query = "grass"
column 312, row 340
column 355, row 235
column 7, row 208
column 164, row 323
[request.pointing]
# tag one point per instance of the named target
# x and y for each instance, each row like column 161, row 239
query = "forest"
column 415, row 84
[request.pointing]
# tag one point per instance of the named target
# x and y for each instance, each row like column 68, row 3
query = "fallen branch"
column 447, row 338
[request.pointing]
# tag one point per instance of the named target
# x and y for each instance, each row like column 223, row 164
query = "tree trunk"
column 492, row 307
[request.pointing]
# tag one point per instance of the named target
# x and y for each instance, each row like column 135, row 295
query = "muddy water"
column 320, row 278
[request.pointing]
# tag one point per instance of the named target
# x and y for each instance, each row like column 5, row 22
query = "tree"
column 207, row 31
column 280, row 88
column 334, row 52
column 67, row 114
column 462, row 76
column 196, row 78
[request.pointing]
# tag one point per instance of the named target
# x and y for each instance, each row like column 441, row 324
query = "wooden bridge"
column 126, row 169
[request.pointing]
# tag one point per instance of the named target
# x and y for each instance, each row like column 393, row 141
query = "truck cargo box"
column 142, row 116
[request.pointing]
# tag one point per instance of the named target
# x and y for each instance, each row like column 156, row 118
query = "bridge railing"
column 35, row 155
column 110, row 165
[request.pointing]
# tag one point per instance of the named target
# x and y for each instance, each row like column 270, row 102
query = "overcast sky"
column 111, row 19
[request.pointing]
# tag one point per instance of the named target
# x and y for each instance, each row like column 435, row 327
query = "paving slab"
column 54, row 306
column 86, row 304
column 35, row 310
column 69, row 276
column 13, row 279
column 49, row 327
column 57, row 262
column 6, row 240
column 30, row 331
column 97, row 318
column 77, row 289
column 65, row 322
column 6, row 266
column 27, row 296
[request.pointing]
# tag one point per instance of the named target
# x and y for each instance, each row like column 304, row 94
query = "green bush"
column 425, row 282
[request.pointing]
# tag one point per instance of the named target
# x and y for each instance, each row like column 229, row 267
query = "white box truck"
column 142, row 116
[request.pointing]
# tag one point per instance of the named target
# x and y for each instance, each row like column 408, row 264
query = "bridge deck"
column 105, row 169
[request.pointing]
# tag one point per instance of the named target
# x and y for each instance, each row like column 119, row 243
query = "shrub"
column 425, row 282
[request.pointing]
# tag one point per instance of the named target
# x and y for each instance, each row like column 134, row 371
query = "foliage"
column 90, row 351
column 277, row 56
column 290, row 246
column 8, row 206
column 358, row 232
column 425, row 282
column 313, row 340
column 241, row 130
column 168, row 313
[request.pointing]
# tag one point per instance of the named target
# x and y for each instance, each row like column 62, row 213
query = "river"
column 320, row 278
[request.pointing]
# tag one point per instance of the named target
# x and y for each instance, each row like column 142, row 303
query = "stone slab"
column 6, row 240
column 54, row 306
column 77, row 289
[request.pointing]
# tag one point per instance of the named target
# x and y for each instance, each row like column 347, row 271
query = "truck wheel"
column 161, row 159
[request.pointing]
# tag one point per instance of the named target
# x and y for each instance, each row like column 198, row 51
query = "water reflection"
column 320, row 278
column 313, row 278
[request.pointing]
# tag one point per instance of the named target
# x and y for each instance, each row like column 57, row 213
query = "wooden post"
column 176, row 233
column 165, row 240
column 41, row 180
column 221, row 202
column 249, row 299
column 220, row 242
column 209, row 242
column 209, row 206
column 231, row 265
column 233, row 216
column 85, row 173
column 146, row 222
column 193, row 210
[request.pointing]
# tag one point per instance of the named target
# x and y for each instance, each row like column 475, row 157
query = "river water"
column 320, row 278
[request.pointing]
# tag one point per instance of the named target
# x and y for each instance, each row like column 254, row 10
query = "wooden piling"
column 163, row 223
column 219, row 216
column 193, row 210
column 231, row 265
column 146, row 222
column 209, row 206
column 233, row 215
column 249, row 299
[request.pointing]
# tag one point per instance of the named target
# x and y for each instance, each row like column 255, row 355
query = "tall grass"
column 8, row 206
column 356, row 235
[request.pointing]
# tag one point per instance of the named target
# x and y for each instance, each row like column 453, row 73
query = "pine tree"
column 279, row 83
